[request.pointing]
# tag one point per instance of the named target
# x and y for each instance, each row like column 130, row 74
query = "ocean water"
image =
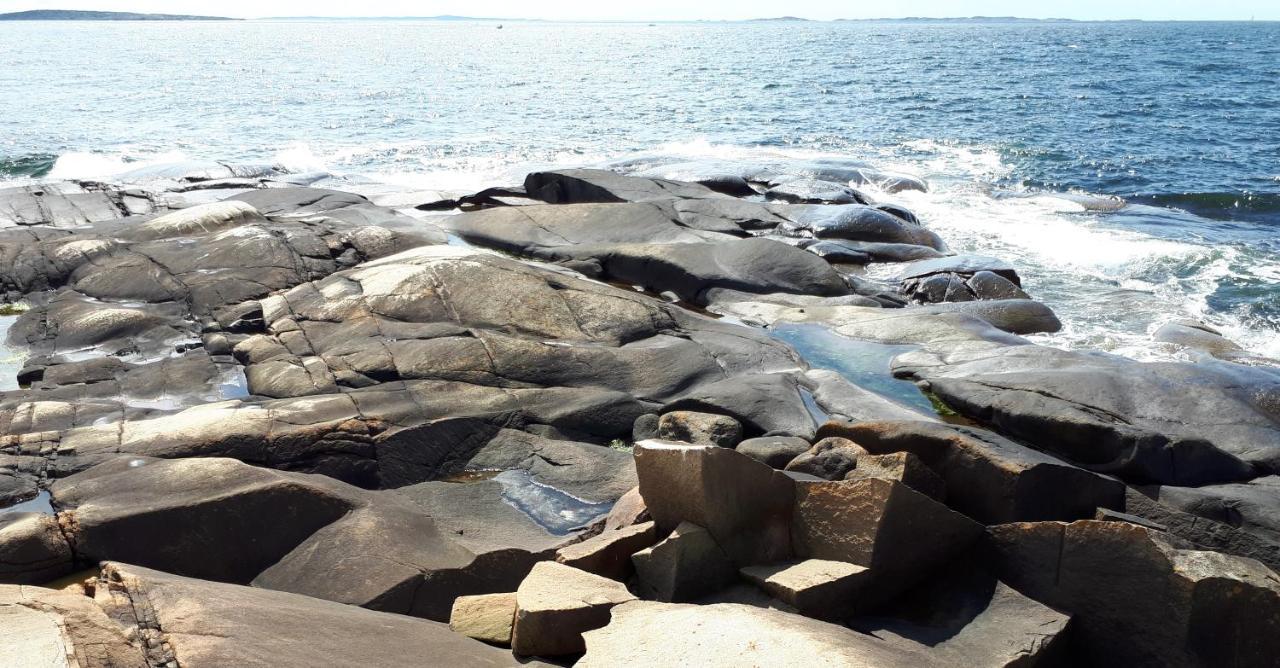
column 1024, row 131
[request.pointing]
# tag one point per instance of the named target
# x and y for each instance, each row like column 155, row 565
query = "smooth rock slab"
column 556, row 604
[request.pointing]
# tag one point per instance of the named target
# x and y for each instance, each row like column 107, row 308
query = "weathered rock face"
column 831, row 458
column 990, row 478
column 961, row 278
column 609, row 554
column 1136, row 599
column 44, row 627
column 488, row 618
column 700, row 429
column 32, row 549
column 877, row 523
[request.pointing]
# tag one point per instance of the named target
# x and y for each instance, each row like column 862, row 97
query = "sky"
column 662, row 10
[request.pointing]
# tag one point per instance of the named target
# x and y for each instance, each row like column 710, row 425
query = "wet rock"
column 905, row 467
column 685, row 566
column 872, row 250
column 745, row 505
column 990, row 285
column 815, row 587
column 856, row 222
column 876, row 523
column 776, row 451
column 844, row 400
column 173, row 616
column 732, row 635
column 830, row 459
column 33, row 549
column 990, row 478
column 814, row 191
column 1016, row 316
column 569, row 186
column 488, row 618
column 1204, row 339
column 609, row 554
column 700, row 429
column 556, row 604
column 1137, row 599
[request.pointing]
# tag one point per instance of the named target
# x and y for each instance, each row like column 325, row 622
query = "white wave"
column 79, row 165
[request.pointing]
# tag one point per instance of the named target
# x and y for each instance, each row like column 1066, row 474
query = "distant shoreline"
column 76, row 15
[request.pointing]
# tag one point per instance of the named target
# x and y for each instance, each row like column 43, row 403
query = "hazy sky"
column 687, row 9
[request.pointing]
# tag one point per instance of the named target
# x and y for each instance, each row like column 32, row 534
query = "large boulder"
column 1166, row 422
column 1237, row 518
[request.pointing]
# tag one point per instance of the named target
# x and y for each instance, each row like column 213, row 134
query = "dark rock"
column 814, row 191
column 905, row 467
column 1238, row 518
column 990, row 285
column 700, row 429
column 609, row 554
column 1016, row 316
column 572, row 186
column 776, row 451
column 831, row 458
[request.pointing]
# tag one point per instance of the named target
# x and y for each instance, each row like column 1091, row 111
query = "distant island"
column 73, row 15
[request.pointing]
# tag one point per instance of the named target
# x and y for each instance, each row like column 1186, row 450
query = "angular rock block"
column 686, row 566
column 487, row 617
column 897, row 532
column 904, row 467
column 745, row 505
column 609, row 554
column 815, row 587
column 700, row 429
column 990, row 478
column 1137, row 599
column 44, row 627
column 831, row 458
column 556, row 604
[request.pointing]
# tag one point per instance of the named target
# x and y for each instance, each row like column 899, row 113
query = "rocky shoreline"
column 272, row 419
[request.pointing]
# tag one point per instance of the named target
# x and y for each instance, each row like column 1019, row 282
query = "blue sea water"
column 1020, row 128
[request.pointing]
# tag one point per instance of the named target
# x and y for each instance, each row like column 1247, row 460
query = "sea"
column 1130, row 170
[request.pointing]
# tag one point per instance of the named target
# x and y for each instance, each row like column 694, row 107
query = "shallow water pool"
column 863, row 363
